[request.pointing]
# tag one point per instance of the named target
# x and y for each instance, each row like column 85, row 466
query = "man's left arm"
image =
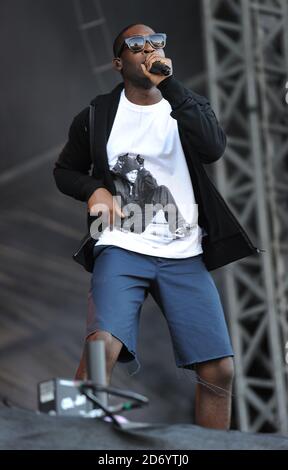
column 195, row 115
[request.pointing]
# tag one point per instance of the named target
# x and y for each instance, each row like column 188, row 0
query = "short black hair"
column 119, row 38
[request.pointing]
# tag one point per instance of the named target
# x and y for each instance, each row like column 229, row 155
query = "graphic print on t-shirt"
column 152, row 207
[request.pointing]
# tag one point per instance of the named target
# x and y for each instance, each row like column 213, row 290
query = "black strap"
column 91, row 129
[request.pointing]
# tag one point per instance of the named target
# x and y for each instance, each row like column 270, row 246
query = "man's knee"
column 100, row 334
column 219, row 372
column 113, row 345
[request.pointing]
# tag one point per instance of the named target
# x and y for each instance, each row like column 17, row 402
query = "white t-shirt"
column 149, row 169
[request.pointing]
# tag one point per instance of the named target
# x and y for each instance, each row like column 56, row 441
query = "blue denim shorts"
column 184, row 290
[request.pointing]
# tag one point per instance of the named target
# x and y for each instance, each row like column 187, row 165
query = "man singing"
column 158, row 135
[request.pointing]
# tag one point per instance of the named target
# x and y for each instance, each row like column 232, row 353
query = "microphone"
column 160, row 69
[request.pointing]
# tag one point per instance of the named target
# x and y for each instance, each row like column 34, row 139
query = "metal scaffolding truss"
column 97, row 41
column 247, row 60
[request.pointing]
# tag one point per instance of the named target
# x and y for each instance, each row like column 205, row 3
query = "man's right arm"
column 71, row 170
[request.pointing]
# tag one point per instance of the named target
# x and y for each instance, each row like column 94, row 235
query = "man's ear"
column 117, row 64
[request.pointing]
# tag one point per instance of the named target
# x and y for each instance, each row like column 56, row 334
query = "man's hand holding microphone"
column 158, row 76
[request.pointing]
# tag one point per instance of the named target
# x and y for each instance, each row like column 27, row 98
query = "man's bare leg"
column 112, row 350
column 213, row 393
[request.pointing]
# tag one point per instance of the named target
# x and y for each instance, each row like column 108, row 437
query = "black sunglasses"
column 137, row 43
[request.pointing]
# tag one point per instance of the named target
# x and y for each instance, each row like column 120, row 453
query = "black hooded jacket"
column 82, row 167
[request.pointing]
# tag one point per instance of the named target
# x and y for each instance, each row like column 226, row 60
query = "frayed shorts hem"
column 132, row 363
column 193, row 363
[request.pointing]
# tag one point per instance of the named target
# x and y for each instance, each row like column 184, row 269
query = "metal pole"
column 96, row 367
